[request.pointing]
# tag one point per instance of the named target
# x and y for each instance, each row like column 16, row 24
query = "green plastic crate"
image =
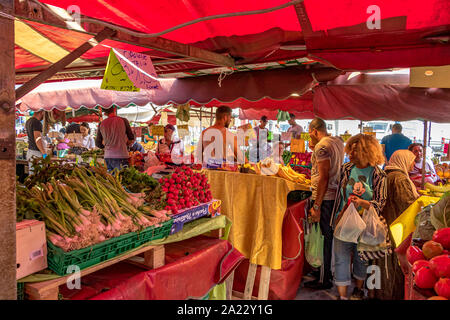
column 59, row 260
column 20, row 291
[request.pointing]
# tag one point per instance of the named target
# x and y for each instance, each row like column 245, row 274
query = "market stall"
column 87, row 218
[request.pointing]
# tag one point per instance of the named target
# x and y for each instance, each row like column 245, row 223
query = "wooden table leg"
column 264, row 282
column 155, row 257
column 49, row 294
column 250, row 281
column 229, row 285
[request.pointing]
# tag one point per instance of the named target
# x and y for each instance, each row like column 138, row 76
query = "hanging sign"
column 115, row 77
column 183, row 130
column 139, row 68
column 305, row 136
column 129, row 71
column 298, row 146
column 157, row 130
column 430, row 77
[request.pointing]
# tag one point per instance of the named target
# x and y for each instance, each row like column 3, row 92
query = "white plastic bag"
column 375, row 232
column 350, row 226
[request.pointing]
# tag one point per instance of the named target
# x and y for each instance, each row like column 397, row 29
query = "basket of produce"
column 59, row 260
column 20, row 291
column 88, row 209
column 429, row 256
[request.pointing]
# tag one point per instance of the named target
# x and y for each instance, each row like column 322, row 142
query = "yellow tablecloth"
column 256, row 206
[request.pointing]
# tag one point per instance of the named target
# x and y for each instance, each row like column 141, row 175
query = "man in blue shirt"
column 395, row 141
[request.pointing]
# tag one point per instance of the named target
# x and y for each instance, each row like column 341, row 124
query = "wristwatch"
column 316, row 207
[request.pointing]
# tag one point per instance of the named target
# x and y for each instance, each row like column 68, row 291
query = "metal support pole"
column 425, row 144
column 8, row 289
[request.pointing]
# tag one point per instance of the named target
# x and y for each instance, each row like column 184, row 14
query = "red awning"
column 268, row 89
column 408, row 35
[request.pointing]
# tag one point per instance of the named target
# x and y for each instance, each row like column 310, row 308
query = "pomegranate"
column 413, row 254
column 441, row 266
column 442, row 236
column 419, row 264
column 432, row 249
column 425, row 278
column 442, row 287
column 437, row 298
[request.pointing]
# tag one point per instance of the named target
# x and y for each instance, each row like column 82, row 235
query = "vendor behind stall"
column 36, row 147
column 170, row 144
column 114, row 135
column 88, row 140
column 226, row 147
column 416, row 173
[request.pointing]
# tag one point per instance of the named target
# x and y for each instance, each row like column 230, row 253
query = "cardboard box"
column 31, row 244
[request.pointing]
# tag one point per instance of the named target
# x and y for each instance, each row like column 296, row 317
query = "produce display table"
column 44, row 286
column 256, row 205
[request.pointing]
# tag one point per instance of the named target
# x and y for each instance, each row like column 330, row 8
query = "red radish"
column 442, row 236
column 441, row 266
column 419, row 264
column 442, row 287
column 413, row 254
column 425, row 278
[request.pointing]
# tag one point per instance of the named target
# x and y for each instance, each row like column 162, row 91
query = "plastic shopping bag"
column 314, row 246
column 375, row 231
column 350, row 227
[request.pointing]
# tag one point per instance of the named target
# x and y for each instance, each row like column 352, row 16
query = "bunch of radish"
column 185, row 189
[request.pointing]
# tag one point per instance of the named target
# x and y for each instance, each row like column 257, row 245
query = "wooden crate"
column 153, row 257
column 31, row 246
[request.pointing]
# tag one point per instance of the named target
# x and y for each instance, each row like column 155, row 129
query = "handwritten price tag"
column 298, row 145
column 139, row 68
column 183, row 130
column 157, row 130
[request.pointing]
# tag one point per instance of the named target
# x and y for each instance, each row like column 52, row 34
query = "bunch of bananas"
column 287, row 173
column 269, row 168
column 435, row 191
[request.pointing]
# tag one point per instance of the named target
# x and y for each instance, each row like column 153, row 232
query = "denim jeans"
column 326, row 210
column 112, row 164
column 342, row 262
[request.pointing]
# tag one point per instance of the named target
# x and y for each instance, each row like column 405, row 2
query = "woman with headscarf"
column 401, row 193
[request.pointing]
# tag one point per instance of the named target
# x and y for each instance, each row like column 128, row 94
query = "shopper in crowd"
column 36, row 146
column 327, row 160
column 114, row 135
column 295, row 129
column 395, row 141
column 416, row 172
column 217, row 144
column 401, row 193
column 260, row 148
column 88, row 141
column 170, row 144
column 362, row 183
